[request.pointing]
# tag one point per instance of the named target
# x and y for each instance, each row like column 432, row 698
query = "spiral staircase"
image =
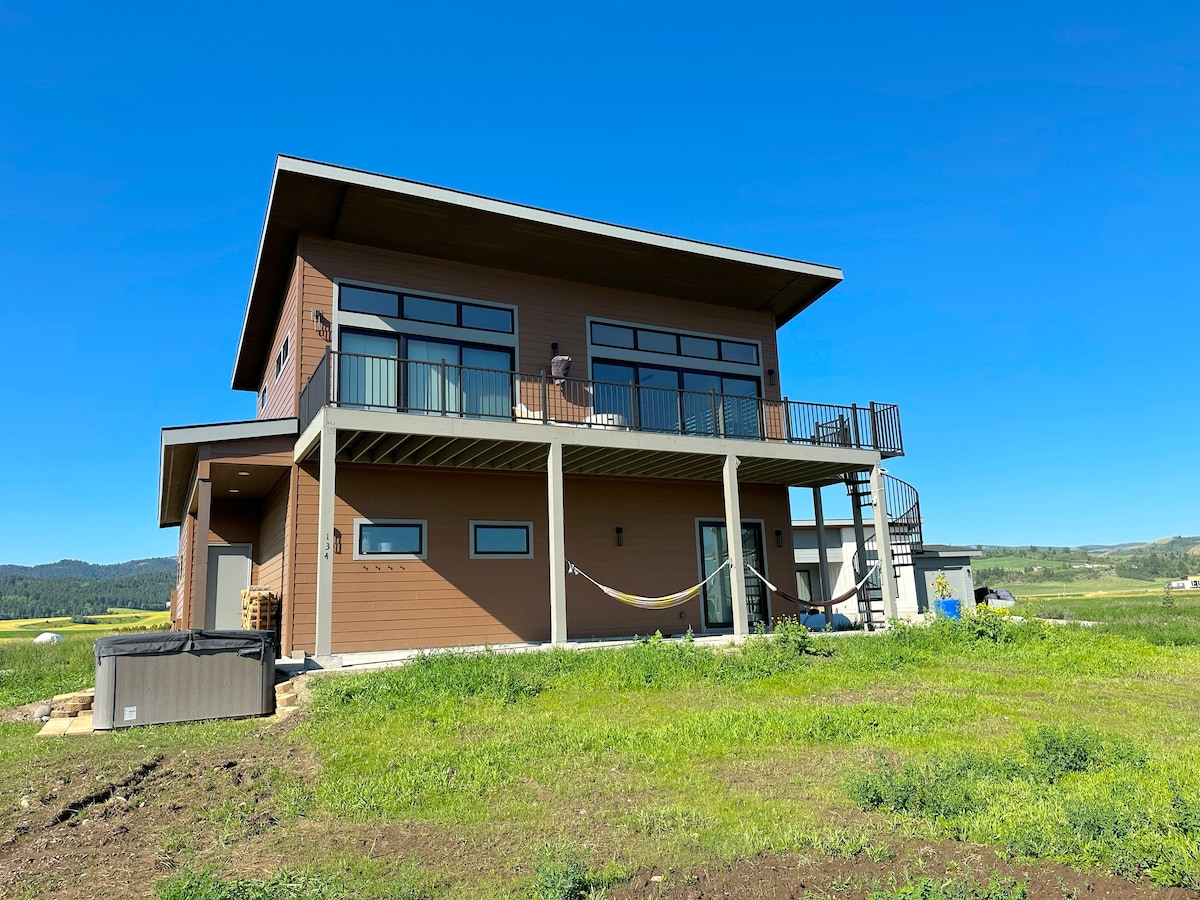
column 906, row 539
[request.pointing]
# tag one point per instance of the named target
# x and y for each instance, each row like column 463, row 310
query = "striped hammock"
column 667, row 602
column 814, row 604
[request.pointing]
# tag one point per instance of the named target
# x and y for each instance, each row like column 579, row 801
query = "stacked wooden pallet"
column 260, row 608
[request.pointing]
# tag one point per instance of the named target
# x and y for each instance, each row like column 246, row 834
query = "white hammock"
column 670, row 600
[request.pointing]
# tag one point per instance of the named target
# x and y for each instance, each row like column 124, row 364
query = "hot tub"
column 183, row 676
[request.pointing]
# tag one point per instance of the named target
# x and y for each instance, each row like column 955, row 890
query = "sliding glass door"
column 718, row 593
column 443, row 377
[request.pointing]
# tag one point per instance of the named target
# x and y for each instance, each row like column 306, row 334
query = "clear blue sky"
column 1011, row 190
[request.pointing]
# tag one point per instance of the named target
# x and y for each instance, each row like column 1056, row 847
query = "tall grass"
column 636, row 750
column 30, row 672
column 1141, row 616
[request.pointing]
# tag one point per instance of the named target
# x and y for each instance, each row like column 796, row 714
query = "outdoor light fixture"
column 778, row 537
column 620, row 535
column 770, row 376
column 234, row 491
column 554, row 348
column 243, row 473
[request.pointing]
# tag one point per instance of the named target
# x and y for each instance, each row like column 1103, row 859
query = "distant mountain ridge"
column 77, row 568
column 1177, row 544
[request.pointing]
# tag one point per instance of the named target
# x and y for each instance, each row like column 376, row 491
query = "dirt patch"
column 807, row 877
column 118, row 836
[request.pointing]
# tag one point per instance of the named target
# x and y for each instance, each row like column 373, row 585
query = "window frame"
column 423, row 524
column 284, row 354
column 499, row 523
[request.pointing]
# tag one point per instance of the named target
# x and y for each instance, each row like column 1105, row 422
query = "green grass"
column 644, row 744
column 1105, row 584
column 1139, row 615
column 115, row 619
column 30, row 672
column 567, row 771
column 350, row 881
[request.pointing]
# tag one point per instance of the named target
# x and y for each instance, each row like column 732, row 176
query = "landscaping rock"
column 42, row 712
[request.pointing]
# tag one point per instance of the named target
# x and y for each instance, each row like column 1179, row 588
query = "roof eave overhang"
column 392, row 213
column 179, row 448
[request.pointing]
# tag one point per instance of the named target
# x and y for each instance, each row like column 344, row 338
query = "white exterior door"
column 228, row 576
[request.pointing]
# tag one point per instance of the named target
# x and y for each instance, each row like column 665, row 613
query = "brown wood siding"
column 237, row 522
column 289, row 567
column 281, row 391
column 266, row 451
column 449, row 599
column 303, row 619
column 269, row 553
column 660, row 554
column 548, row 310
column 316, row 297
column 446, row 598
column 181, row 610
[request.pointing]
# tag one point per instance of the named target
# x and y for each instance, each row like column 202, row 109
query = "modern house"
column 914, row 579
column 458, row 395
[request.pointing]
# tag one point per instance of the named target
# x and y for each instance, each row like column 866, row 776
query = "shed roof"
column 394, row 214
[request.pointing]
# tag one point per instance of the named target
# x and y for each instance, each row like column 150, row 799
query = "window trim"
column 503, row 523
column 401, row 292
column 606, row 352
column 283, row 356
column 423, row 524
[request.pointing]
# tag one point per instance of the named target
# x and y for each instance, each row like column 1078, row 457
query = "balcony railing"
column 416, row 387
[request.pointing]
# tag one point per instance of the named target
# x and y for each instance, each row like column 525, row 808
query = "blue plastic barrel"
column 947, row 608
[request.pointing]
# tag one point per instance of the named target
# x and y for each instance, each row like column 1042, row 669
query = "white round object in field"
column 48, row 637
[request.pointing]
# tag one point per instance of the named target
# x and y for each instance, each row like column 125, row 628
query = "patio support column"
column 860, row 543
column 558, row 544
column 822, row 554
column 733, row 531
column 326, row 490
column 883, row 540
column 203, row 525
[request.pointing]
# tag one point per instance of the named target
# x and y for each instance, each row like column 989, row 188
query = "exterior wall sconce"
column 620, row 532
column 778, row 537
column 771, row 376
column 554, row 348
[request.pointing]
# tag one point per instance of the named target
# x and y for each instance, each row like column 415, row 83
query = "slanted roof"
column 180, row 446
column 394, row 214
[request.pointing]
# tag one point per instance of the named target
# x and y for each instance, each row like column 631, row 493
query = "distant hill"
column 71, row 587
column 77, row 568
column 1177, row 544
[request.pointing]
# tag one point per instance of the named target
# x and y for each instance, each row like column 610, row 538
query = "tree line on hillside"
column 1144, row 567
column 29, row 597
column 77, row 568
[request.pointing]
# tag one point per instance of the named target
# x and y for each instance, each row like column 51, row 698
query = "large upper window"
column 713, row 389
column 653, row 340
column 415, row 353
column 400, row 305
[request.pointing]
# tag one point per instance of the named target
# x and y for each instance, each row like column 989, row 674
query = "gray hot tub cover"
column 246, row 643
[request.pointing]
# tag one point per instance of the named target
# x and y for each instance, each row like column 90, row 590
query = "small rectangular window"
column 733, row 351
column 262, row 400
column 487, row 318
column 422, row 309
column 281, row 357
column 612, row 336
column 702, row 348
column 369, row 300
column 656, row 341
column 503, row 540
column 396, row 538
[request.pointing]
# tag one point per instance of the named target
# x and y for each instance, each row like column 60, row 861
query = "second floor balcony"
column 423, row 388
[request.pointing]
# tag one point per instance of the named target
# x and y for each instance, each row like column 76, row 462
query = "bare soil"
column 116, row 837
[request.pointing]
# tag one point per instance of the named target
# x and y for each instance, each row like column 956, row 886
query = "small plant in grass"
column 563, row 873
column 1168, row 598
